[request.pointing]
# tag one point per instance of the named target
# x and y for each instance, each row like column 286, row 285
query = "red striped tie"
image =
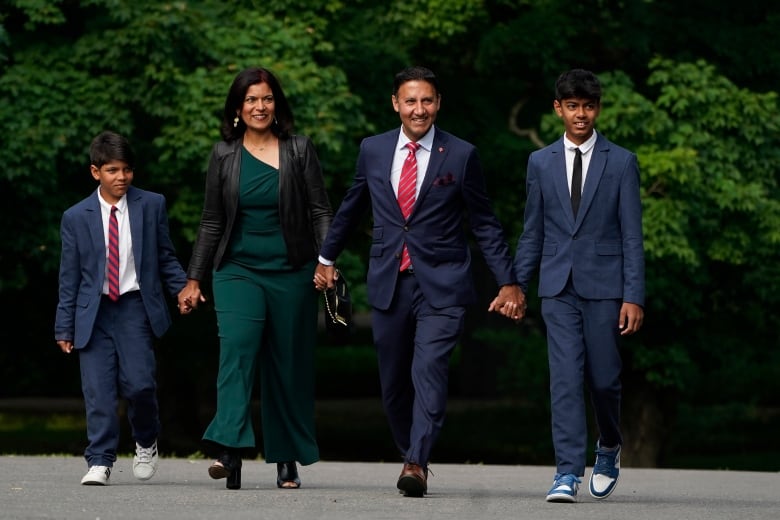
column 113, row 255
column 407, row 188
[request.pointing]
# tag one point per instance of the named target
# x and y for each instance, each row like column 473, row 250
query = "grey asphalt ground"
column 37, row 487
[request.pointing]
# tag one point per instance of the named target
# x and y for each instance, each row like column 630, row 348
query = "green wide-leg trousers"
column 268, row 321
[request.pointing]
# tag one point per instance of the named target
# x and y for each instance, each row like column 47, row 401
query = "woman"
column 265, row 214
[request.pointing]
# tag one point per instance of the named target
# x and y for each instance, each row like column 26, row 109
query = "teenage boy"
column 583, row 231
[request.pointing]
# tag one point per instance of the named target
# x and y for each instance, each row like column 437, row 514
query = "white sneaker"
column 145, row 461
column 96, row 476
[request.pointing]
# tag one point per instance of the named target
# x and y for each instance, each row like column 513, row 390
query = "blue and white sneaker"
column 564, row 488
column 606, row 471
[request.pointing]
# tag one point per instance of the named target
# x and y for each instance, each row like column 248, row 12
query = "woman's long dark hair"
column 282, row 126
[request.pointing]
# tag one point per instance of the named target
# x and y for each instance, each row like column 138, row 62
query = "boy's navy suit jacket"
column 83, row 264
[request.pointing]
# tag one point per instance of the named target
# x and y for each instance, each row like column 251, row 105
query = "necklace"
column 257, row 147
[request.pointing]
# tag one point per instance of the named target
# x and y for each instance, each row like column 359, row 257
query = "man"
column 583, row 224
column 419, row 279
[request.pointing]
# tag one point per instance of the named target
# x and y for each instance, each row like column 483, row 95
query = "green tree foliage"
column 157, row 72
column 702, row 120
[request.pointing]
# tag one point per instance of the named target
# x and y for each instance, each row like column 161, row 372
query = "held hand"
column 324, row 275
column 190, row 297
column 631, row 318
column 65, row 346
column 510, row 302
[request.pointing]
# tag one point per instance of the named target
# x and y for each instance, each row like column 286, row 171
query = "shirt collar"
column 584, row 147
column 121, row 205
column 426, row 143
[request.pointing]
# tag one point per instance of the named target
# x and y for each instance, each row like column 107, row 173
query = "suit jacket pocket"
column 549, row 249
column 449, row 254
column 376, row 250
column 376, row 233
column 83, row 299
column 609, row 248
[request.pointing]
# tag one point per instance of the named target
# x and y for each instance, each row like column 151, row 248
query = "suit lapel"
column 135, row 212
column 561, row 181
column 385, row 168
column 439, row 151
column 96, row 234
column 598, row 161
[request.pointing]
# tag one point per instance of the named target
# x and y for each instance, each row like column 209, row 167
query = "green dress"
column 267, row 317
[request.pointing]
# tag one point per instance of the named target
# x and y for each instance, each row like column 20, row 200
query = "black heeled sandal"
column 227, row 465
column 287, row 473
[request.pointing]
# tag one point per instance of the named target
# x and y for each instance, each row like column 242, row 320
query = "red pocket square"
column 444, row 180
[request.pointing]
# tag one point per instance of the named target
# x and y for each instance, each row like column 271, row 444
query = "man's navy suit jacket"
column 434, row 232
column 83, row 264
column 602, row 248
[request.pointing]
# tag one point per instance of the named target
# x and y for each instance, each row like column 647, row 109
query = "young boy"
column 583, row 233
column 117, row 259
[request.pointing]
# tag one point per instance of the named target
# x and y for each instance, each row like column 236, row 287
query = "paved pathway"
column 38, row 487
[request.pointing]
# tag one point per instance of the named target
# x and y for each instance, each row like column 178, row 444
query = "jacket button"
column 397, row 256
column 406, row 228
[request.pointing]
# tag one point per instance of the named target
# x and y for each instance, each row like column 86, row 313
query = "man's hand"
column 631, row 318
column 65, row 346
column 510, row 302
column 324, row 275
column 190, row 297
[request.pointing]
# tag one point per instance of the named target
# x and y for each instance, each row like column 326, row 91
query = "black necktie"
column 576, row 181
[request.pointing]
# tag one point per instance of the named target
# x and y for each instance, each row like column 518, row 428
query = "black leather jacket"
column 304, row 208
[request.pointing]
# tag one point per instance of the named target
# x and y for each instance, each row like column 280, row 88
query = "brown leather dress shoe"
column 413, row 480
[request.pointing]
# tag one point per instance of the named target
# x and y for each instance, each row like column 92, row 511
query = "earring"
column 275, row 121
column 235, row 122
